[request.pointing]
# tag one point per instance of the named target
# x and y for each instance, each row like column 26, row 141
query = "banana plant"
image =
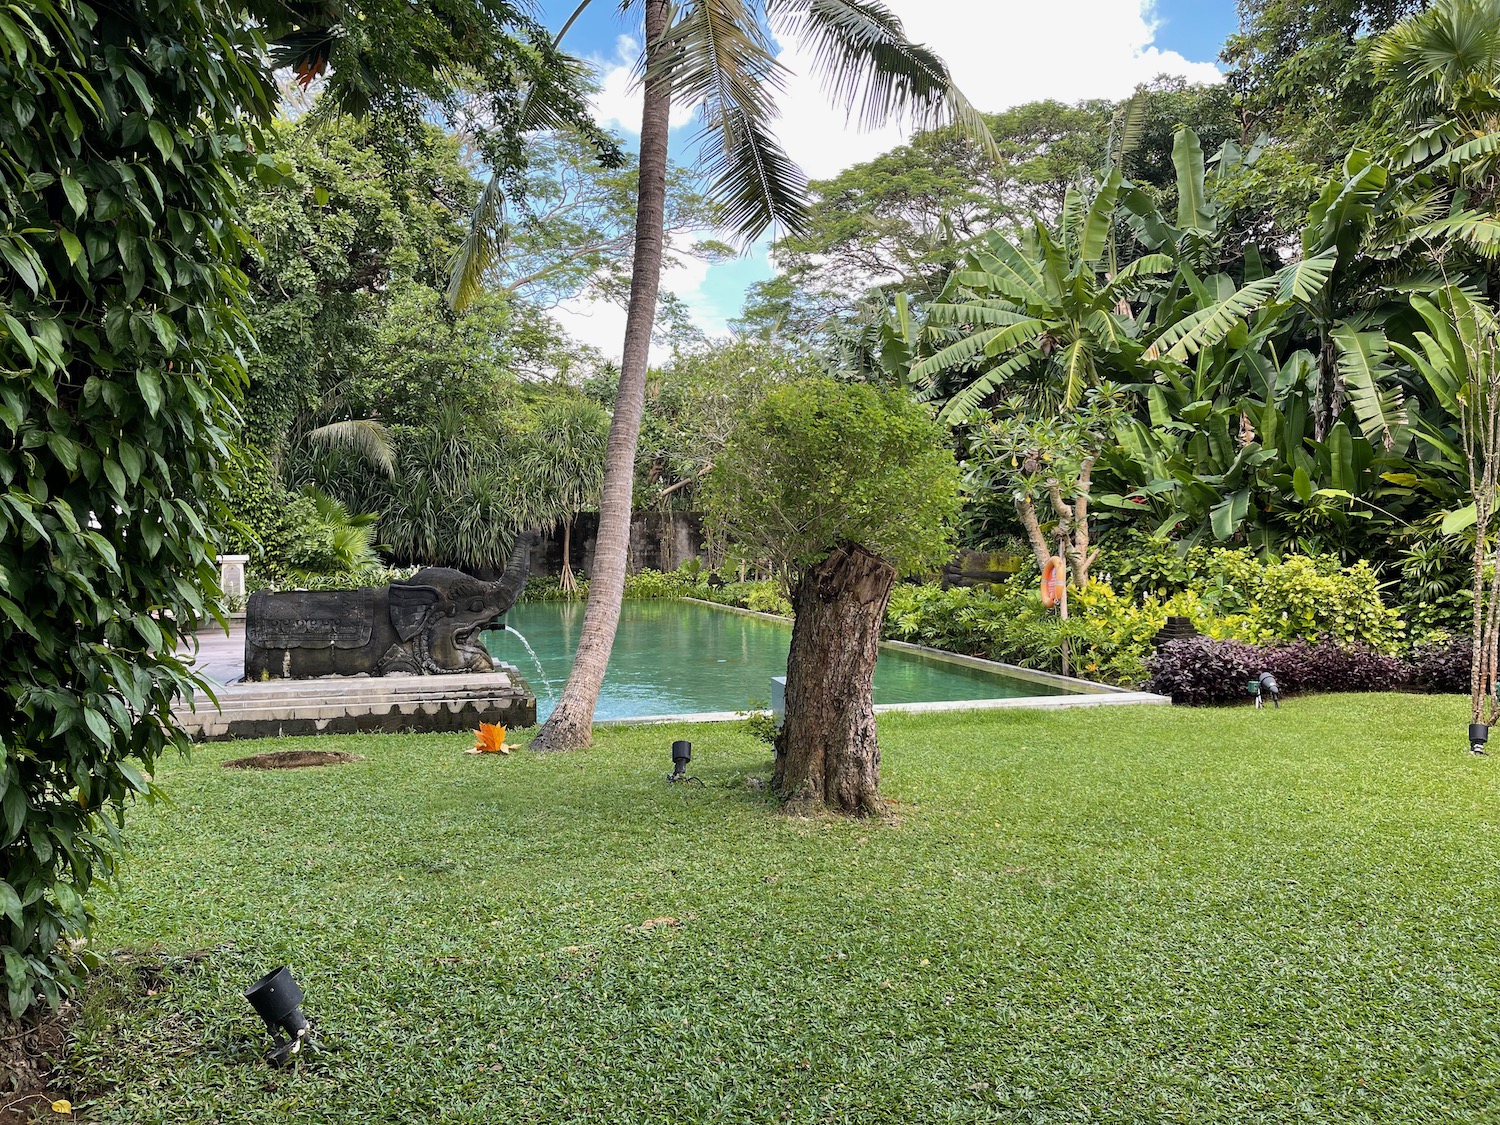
column 1043, row 314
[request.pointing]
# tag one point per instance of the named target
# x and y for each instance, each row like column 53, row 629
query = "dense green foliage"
column 130, row 132
column 125, row 131
column 1102, row 914
column 1112, row 621
column 901, row 223
column 817, row 465
column 693, row 403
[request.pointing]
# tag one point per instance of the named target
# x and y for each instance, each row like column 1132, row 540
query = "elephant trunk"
column 513, row 580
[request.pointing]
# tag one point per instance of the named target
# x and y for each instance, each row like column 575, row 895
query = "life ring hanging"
column 1054, row 578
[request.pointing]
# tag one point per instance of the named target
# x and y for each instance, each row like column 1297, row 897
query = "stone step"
column 241, row 698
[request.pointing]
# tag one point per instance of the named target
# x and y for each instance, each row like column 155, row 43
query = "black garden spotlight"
column 682, row 754
column 1264, row 685
column 277, row 999
column 1479, row 734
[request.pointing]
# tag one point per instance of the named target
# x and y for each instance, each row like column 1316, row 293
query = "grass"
column 1117, row 915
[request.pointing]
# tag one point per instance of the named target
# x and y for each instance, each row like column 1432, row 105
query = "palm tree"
column 717, row 55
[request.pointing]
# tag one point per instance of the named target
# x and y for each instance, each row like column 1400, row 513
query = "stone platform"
column 347, row 705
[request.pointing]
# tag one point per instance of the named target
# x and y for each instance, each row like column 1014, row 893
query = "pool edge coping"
column 1014, row 671
column 1120, row 698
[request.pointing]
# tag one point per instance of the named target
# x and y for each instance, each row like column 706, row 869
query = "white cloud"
column 618, row 103
column 1002, row 53
column 601, row 324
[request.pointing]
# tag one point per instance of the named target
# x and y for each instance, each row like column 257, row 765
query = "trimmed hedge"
column 1201, row 670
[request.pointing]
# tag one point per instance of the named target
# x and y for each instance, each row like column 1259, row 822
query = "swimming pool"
column 679, row 657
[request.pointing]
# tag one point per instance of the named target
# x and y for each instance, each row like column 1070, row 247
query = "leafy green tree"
column 903, row 221
column 845, row 487
column 692, row 406
column 716, row 54
column 1046, row 463
column 572, row 231
column 340, row 232
column 1304, row 77
column 117, row 376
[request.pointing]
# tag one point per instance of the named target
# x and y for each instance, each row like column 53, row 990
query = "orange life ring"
column 1054, row 576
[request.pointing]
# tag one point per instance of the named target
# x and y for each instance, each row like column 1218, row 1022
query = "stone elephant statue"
column 428, row 625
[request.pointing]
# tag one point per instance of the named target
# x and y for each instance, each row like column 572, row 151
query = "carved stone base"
column 364, row 705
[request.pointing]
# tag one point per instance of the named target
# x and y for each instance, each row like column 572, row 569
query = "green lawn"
column 1115, row 915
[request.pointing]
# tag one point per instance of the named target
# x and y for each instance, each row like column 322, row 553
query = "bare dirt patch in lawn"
column 292, row 760
column 29, row 1050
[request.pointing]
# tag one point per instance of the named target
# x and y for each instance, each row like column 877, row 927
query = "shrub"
column 1202, row 670
column 1109, row 636
column 1443, row 665
column 548, row 588
column 650, row 583
column 1298, row 598
column 283, row 532
column 1256, row 600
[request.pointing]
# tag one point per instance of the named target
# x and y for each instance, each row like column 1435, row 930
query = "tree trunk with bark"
column 1072, row 525
column 828, row 754
column 566, row 581
column 571, row 724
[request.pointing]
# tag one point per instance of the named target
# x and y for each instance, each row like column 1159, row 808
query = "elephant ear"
column 411, row 606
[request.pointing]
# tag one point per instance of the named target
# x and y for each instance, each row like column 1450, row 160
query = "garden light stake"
column 277, row 999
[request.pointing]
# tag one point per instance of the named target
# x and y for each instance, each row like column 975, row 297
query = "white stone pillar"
column 232, row 575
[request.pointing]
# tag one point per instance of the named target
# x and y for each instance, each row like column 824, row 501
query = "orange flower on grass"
column 490, row 739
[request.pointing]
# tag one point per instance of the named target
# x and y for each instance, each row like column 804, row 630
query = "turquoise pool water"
column 673, row 658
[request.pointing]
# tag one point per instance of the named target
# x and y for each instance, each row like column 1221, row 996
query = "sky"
column 1001, row 53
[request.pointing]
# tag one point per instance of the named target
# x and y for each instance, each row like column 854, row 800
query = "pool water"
column 672, row 658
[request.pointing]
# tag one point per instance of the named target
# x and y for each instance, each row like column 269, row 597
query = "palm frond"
column 716, row 56
column 866, row 62
column 1423, row 144
column 482, row 247
column 1147, row 265
column 366, row 437
column 1301, row 281
column 1480, row 232
column 1437, row 58
column 962, row 406
column 755, row 184
column 992, row 341
column 1466, row 153
column 989, row 313
column 1003, row 268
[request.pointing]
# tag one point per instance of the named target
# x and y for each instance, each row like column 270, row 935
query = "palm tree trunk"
column 571, row 724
